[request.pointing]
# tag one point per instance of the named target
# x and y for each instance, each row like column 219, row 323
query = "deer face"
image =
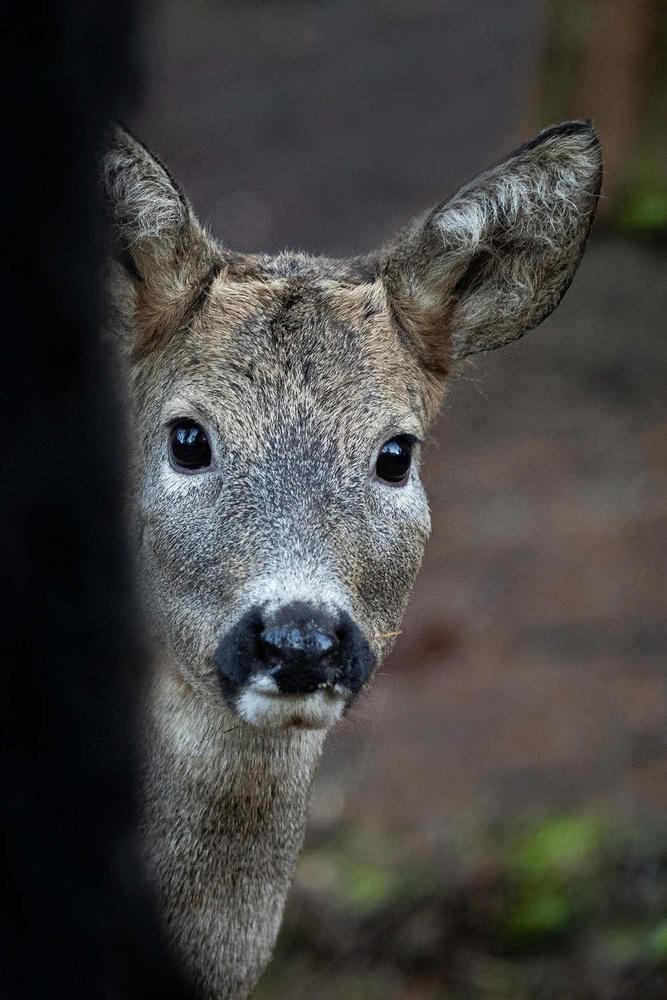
column 283, row 518
column 280, row 405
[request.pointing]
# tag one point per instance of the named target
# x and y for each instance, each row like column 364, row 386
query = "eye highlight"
column 392, row 466
column 189, row 448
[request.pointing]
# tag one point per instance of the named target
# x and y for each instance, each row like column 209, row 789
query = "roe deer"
column 278, row 405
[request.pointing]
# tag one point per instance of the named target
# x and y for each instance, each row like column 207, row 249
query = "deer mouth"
column 316, row 710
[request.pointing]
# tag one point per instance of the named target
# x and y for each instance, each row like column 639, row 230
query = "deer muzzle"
column 295, row 665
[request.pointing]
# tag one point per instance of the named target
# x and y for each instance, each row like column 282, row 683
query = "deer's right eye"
column 189, row 448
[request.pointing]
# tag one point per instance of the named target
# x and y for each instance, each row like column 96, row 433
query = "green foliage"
column 658, row 942
column 551, row 866
column 558, row 849
column 540, row 917
column 367, row 887
column 363, row 873
column 645, row 211
column 644, row 945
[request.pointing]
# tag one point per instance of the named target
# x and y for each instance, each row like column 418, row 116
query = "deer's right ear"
column 162, row 255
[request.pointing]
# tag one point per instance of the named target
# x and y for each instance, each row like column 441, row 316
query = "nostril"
column 283, row 643
column 323, row 643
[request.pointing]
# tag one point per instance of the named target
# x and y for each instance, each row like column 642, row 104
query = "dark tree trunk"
column 75, row 919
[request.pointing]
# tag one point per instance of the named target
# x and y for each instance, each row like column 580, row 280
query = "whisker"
column 384, row 635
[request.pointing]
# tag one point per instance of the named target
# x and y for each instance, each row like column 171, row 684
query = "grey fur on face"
column 278, row 408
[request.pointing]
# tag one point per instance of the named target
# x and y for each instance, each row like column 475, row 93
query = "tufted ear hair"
column 494, row 260
column 163, row 260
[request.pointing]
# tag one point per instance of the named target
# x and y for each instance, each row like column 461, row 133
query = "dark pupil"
column 189, row 446
column 393, row 462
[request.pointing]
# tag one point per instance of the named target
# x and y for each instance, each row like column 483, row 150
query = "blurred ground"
column 566, row 908
column 530, row 678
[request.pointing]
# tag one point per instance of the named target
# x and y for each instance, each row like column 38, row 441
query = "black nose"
column 300, row 650
column 283, row 644
column 299, row 646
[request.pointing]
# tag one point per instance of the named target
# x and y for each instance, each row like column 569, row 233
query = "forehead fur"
column 288, row 329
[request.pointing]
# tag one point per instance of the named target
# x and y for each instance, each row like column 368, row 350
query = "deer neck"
column 225, row 813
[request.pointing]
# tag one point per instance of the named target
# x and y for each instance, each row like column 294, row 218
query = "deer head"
column 280, row 404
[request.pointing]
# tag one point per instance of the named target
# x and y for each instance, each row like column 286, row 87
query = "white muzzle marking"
column 265, row 707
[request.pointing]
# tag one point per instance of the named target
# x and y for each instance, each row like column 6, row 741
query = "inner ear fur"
column 493, row 260
column 162, row 259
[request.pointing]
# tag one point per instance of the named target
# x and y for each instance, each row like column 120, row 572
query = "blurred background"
column 490, row 821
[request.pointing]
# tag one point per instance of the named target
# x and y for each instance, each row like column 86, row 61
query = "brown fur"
column 299, row 368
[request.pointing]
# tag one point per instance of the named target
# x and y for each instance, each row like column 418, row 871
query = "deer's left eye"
column 394, row 460
column 188, row 446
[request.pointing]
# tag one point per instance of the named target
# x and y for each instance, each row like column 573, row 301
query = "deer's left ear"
column 495, row 259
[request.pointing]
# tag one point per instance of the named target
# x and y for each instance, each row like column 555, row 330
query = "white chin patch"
column 318, row 710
